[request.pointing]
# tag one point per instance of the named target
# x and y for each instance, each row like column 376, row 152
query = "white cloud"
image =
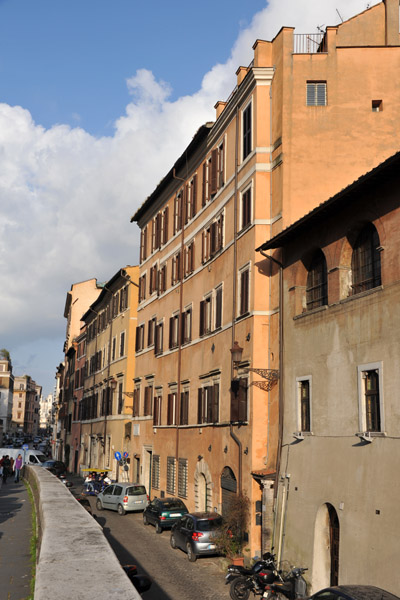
column 66, row 197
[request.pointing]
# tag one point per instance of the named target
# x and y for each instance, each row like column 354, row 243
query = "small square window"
column 377, row 105
column 316, row 93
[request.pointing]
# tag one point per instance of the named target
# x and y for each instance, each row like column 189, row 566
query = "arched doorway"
column 228, row 489
column 326, row 548
column 203, row 487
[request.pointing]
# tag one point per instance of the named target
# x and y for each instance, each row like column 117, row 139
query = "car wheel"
column 121, row 510
column 158, row 528
column 190, row 554
column 172, row 541
column 99, row 505
column 145, row 520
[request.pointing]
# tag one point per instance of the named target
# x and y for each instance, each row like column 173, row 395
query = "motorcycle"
column 291, row 586
column 243, row 581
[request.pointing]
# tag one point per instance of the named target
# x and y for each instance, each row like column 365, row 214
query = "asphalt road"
column 174, row 577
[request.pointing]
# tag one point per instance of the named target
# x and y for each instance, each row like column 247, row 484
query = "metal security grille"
column 316, row 93
column 171, row 475
column 182, row 477
column 155, row 473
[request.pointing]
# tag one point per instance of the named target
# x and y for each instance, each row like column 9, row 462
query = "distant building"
column 26, row 405
column 6, row 393
column 46, row 405
column 339, row 484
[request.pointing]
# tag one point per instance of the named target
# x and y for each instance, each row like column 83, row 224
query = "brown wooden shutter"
column 186, row 210
column 204, row 190
column 141, row 245
column 209, row 396
column 242, row 399
column 200, row 405
column 202, row 246
column 194, row 195
column 218, row 308
column 201, row 327
column 220, row 232
column 171, row 324
column 192, row 257
column 165, row 231
column 244, row 292
column 215, row 403
column 214, row 172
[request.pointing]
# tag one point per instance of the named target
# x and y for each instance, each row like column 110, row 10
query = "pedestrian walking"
column 1, row 473
column 17, row 467
column 6, row 467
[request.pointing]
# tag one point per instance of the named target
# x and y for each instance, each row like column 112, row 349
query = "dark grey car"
column 353, row 592
column 194, row 533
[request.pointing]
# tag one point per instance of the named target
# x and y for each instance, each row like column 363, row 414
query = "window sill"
column 243, row 316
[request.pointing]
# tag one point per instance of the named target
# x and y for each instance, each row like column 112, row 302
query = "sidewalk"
column 15, row 535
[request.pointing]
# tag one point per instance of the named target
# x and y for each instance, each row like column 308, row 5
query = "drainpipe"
column 180, row 311
column 235, row 220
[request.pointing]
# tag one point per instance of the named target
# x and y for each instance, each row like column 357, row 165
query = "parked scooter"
column 243, row 581
column 292, row 586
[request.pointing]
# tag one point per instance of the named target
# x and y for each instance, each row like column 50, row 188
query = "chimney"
column 262, row 53
column 219, row 107
column 241, row 74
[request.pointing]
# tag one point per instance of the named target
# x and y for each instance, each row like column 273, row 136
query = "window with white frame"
column 316, row 93
column 171, row 408
column 370, row 397
column 246, row 131
column 139, row 338
column 239, row 399
column 171, row 475
column 304, row 403
column 244, row 290
column 174, row 331
column 187, row 325
column 206, row 315
column 184, row 407
column 208, row 403
column 122, row 344
column 157, row 408
column 245, row 208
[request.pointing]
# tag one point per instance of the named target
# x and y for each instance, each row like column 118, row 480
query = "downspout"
column 235, row 219
column 178, row 399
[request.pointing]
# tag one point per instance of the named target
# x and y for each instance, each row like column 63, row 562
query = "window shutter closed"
column 242, row 404
column 170, row 410
column 204, row 190
column 200, row 405
column 215, row 403
column 214, row 172
column 202, row 308
column 194, row 195
column 165, row 229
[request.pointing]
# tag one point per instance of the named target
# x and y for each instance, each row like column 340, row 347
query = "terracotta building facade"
column 308, row 115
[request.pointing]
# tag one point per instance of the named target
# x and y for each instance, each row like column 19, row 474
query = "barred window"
column 155, row 474
column 171, row 475
column 316, row 93
column 316, row 292
column 366, row 260
column 182, row 477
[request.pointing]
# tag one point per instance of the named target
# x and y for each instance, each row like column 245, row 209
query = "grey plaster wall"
column 75, row 559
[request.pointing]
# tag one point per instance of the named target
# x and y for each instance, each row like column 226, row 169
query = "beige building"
column 206, row 423
column 6, row 392
column 339, row 480
column 45, row 412
column 78, row 299
column 106, row 407
column 26, row 405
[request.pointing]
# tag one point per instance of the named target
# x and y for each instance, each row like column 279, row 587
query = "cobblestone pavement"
column 15, row 534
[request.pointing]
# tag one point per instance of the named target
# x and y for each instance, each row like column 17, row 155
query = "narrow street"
column 174, row 577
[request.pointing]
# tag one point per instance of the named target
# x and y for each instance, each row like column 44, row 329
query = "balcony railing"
column 309, row 43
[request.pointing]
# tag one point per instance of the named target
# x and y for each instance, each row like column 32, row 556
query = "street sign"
column 25, row 447
column 125, row 454
column 117, row 455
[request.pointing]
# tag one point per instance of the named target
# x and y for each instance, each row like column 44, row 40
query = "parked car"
column 91, row 488
column 164, row 512
column 353, row 592
column 194, row 533
column 123, row 497
column 57, row 466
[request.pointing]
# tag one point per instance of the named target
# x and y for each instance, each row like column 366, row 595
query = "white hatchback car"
column 123, row 497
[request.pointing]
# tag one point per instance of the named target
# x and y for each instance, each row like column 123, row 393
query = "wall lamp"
column 236, row 352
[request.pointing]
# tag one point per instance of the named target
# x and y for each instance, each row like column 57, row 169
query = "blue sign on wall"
column 25, row 447
column 125, row 454
column 117, row 455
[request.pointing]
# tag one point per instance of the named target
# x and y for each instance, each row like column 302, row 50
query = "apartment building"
column 339, row 485
column 78, row 300
column 308, row 115
column 105, row 411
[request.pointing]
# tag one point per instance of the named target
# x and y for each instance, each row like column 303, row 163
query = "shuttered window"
column 316, row 93
column 239, row 399
column 136, row 402
column 157, row 410
column 244, row 292
column 218, row 307
column 148, row 394
column 159, row 342
column 182, row 477
column 208, row 404
column 171, row 409
column 246, row 208
column 184, row 408
column 171, row 475
column 246, row 125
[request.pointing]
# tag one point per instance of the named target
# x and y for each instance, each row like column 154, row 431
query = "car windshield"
column 209, row 524
column 138, row 490
column 173, row 505
column 41, row 458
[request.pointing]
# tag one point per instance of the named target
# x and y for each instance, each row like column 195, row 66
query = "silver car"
column 195, row 532
column 123, row 497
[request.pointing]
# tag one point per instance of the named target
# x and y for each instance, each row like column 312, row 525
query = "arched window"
column 366, row 261
column 317, row 282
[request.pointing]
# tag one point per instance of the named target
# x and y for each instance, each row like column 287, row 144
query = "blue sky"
column 90, row 93
column 67, row 61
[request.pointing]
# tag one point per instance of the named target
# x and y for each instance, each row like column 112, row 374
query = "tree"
column 5, row 355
